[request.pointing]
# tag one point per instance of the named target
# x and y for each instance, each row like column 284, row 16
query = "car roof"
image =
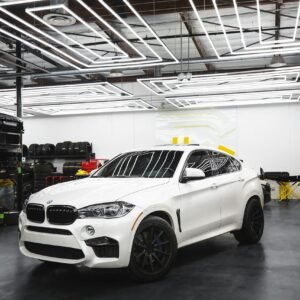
column 181, row 147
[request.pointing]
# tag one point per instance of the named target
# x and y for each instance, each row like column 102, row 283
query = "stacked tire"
column 41, row 150
column 69, row 148
column 33, row 149
column 40, row 172
column 63, row 148
column 47, row 149
column 66, row 148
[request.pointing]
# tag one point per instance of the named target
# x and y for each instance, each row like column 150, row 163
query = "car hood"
column 89, row 191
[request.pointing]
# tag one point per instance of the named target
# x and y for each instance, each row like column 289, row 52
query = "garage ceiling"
column 122, row 55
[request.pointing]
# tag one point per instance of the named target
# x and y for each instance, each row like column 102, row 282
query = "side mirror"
column 192, row 174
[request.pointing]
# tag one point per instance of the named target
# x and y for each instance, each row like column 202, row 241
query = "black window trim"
column 186, row 161
column 210, row 154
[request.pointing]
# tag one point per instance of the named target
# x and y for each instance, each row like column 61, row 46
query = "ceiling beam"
column 185, row 18
column 277, row 20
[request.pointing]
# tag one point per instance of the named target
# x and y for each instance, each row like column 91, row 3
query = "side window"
column 223, row 163
column 236, row 164
column 203, row 161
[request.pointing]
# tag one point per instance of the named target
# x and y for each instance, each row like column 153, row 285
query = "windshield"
column 144, row 164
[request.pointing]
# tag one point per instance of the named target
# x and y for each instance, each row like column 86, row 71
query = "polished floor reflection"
column 215, row 269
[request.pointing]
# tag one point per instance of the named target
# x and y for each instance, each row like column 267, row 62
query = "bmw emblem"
column 49, row 201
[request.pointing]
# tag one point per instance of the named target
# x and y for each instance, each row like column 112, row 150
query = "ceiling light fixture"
column 282, row 97
column 96, row 107
column 253, row 51
column 66, row 93
column 105, row 62
column 221, row 82
column 115, row 73
column 277, row 61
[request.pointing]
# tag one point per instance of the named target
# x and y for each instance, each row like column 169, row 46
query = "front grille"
column 49, row 230
column 61, row 214
column 54, row 251
column 35, row 213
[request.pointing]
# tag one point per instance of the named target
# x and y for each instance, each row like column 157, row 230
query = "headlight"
column 25, row 205
column 106, row 210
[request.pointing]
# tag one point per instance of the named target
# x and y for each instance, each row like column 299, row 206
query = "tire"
column 65, row 148
column 32, row 150
column 153, row 251
column 58, row 148
column 70, row 149
column 39, row 150
column 76, row 148
column 48, row 149
column 253, row 224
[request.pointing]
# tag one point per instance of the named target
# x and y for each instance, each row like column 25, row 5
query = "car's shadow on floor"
column 67, row 281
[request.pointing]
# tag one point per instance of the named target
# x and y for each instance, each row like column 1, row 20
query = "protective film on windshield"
column 144, row 164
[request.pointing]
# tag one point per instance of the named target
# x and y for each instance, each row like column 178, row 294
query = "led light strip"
column 248, row 52
column 36, row 47
column 49, row 36
column 67, row 93
column 112, row 28
column 70, row 12
column 271, row 45
column 203, row 28
column 13, row 112
column 97, row 107
column 19, row 2
column 230, row 104
column 43, row 42
column 200, row 83
column 117, row 59
column 278, row 41
column 120, row 62
column 203, row 102
column 172, row 86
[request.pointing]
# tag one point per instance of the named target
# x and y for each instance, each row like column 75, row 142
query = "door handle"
column 214, row 186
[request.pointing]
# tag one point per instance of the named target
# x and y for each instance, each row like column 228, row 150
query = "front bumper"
column 121, row 230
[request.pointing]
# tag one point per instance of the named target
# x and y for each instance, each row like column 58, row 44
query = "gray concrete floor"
column 215, row 269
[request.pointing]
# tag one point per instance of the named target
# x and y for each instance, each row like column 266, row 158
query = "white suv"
column 139, row 208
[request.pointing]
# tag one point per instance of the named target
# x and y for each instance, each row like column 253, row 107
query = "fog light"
column 90, row 230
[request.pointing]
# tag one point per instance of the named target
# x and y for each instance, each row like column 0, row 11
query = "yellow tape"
column 227, row 150
column 186, row 140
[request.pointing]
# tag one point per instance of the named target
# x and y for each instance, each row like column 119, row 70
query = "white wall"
column 267, row 136
column 110, row 134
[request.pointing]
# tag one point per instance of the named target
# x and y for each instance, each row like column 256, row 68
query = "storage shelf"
column 10, row 149
column 10, row 132
column 79, row 156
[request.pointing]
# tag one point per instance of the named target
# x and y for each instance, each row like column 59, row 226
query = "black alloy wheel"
column 256, row 220
column 253, row 224
column 154, row 250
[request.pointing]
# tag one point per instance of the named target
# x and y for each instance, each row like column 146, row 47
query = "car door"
column 229, row 183
column 200, row 202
